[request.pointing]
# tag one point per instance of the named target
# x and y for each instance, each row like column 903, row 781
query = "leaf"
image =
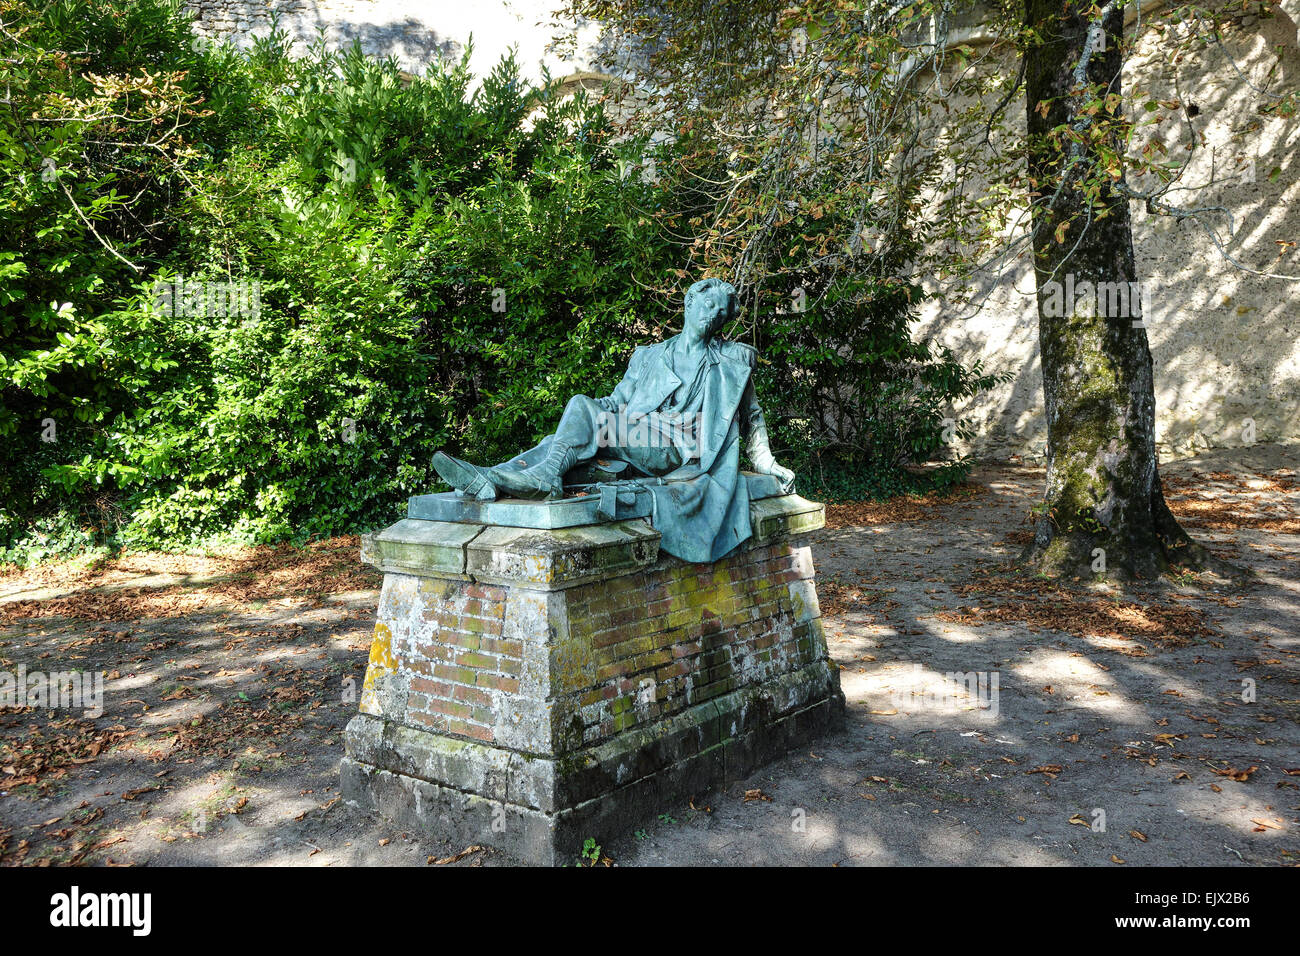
column 1050, row 769
column 1241, row 776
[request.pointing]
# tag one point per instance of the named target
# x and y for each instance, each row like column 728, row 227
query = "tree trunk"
column 1105, row 512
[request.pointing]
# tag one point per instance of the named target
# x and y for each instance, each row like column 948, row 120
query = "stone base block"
column 529, row 688
column 475, row 793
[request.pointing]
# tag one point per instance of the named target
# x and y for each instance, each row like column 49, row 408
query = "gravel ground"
column 1153, row 726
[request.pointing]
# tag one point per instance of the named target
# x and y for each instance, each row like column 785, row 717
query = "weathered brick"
column 716, row 657
column 675, row 669
column 477, row 625
column 658, row 607
column 688, row 649
column 609, row 671
column 467, row 729
column 434, row 688
column 418, row 665
column 433, row 721
column 477, row 660
column 438, row 652
column 472, row 695
column 486, row 592
column 462, row 675
column 590, row 623
column 610, row 636
column 684, row 618
column 627, row 615
column 469, row 642
column 497, row 682
column 449, row 707
column 649, row 660
column 506, row 648
column 592, row 695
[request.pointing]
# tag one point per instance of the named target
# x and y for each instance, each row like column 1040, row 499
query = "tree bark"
column 1105, row 512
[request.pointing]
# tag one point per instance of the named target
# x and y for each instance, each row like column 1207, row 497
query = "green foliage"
column 857, row 400
column 420, row 265
column 796, row 174
column 374, row 214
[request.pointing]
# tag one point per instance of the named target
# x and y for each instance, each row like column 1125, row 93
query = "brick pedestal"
column 531, row 688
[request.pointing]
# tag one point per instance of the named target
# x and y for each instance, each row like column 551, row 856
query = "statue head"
column 710, row 304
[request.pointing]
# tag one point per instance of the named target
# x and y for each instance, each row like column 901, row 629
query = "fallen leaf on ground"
column 1232, row 773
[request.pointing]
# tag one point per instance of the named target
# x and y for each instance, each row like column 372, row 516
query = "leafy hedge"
column 378, row 215
column 424, row 265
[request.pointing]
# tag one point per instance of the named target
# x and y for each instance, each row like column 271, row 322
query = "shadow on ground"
column 1158, row 726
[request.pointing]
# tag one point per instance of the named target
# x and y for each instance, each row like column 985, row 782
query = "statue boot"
column 471, row 481
column 542, row 480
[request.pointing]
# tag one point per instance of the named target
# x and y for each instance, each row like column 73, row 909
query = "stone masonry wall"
column 463, row 658
column 416, row 32
column 1225, row 340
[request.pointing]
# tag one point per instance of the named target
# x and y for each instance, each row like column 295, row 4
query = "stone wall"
column 1224, row 341
column 416, row 33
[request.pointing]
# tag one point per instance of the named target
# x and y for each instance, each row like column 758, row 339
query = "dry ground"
column 229, row 681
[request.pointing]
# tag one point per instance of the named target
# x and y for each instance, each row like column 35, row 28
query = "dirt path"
column 229, row 683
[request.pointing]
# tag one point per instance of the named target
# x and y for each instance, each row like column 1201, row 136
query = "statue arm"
column 753, row 427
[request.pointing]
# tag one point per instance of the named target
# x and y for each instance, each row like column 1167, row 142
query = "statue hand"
column 785, row 475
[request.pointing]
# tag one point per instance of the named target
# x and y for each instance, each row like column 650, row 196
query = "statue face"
column 705, row 313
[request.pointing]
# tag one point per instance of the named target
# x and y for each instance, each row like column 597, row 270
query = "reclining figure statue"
column 678, row 417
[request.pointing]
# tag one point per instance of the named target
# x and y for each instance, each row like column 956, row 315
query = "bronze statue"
column 677, row 417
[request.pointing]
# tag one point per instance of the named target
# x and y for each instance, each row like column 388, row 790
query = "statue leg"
column 576, row 439
column 471, row 481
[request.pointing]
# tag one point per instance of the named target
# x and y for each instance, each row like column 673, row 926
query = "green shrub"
column 857, row 400
column 435, row 266
column 377, row 215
